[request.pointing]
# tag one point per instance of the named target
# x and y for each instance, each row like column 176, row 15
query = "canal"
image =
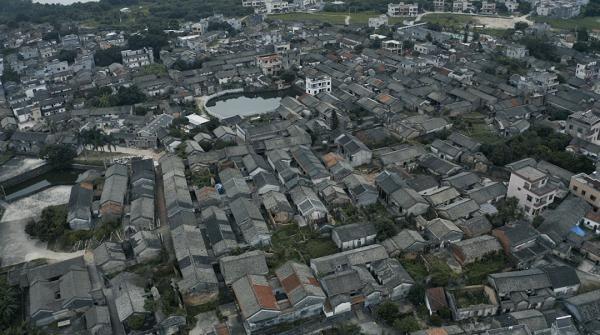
column 53, row 178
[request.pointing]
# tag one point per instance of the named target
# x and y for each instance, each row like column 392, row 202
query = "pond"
column 53, row 178
column 246, row 104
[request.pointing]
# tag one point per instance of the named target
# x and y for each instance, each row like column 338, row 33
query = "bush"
column 51, row 225
column 388, row 312
column 407, row 324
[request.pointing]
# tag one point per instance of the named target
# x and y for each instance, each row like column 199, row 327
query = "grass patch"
column 466, row 298
column 97, row 157
column 335, row 18
column 454, row 21
column 590, row 23
column 476, row 273
column 474, row 125
column 415, row 267
column 299, row 244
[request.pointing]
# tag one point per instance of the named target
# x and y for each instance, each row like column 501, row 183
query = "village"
column 277, row 174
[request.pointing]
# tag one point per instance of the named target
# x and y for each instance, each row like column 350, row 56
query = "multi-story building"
column 318, row 84
column 516, row 51
column 585, row 126
column 270, row 65
column 392, row 46
column 488, row 7
column 461, row 6
column 402, row 9
column 378, row 21
column 137, row 58
column 438, row 5
column 586, row 187
column 587, row 71
column 562, row 9
column 531, row 188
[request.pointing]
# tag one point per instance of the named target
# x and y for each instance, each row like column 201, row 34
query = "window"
column 593, row 197
column 529, row 198
column 582, row 192
column 575, row 188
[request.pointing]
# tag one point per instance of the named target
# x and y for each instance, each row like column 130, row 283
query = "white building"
column 516, row 51
column 137, row 58
column 392, row 46
column 402, row 9
column 488, row 7
column 530, row 186
column 316, row 85
column 200, row 28
column 378, row 21
column 462, row 6
column 587, row 71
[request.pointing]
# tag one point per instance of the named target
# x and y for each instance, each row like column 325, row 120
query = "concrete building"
column 530, row 186
column 402, row 9
column 585, row 126
column 318, row 84
column 134, row 59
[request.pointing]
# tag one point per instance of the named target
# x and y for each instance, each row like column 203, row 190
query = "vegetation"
column 51, row 225
column 9, row 304
column 334, row 17
column 59, row 156
column 345, row 329
column 10, row 75
column 541, row 143
column 108, row 56
column 292, row 242
column 407, row 324
column 67, row 55
column 541, row 48
column 387, row 311
column 589, row 22
column 96, row 138
column 105, row 97
column 476, row 273
column 136, row 322
column 376, row 214
column 508, row 211
column 416, row 268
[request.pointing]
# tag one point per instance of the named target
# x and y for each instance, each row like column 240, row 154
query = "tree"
column 10, row 75
column 347, row 329
column 51, row 225
column 108, row 56
column 524, row 7
column 508, row 211
column 582, row 35
column 416, row 295
column 67, row 55
column 521, row 25
column 387, row 311
column 334, row 121
column 9, row 303
column 407, row 324
column 59, row 156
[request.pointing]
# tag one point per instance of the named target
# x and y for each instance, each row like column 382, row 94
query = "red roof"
column 264, row 296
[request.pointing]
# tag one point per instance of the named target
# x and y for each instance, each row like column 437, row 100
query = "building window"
column 582, row 192
column 593, row 197
column 575, row 188
column 529, row 198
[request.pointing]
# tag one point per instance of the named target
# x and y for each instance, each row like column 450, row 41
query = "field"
column 590, row 23
column 335, row 18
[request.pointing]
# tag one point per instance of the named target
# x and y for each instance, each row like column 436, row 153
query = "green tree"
column 334, row 121
column 407, row 324
column 508, row 211
column 10, row 75
column 416, row 295
column 51, row 225
column 524, row 7
column 347, row 329
column 67, row 55
column 59, row 156
column 582, row 35
column 387, row 311
column 9, row 303
column 108, row 56
column 521, row 25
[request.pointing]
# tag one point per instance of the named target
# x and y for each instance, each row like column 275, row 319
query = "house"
column 79, row 208
column 472, row 301
column 310, row 207
column 439, row 166
column 55, row 289
column 476, row 226
column 488, row 194
column 97, row 320
column 219, row 231
column 395, row 193
column 353, row 235
column 442, row 196
column 110, row 257
column 234, row 183
column 142, row 214
column 440, row 232
column 475, row 249
column 294, row 294
column 278, row 208
column 563, row 280
column 465, row 142
column 344, row 260
column 130, row 297
column 249, row 263
column 435, row 300
column 461, row 209
column 266, row 182
column 521, row 290
column 522, row 243
column 250, row 222
column 562, row 223
column 134, row 59
column 270, row 65
column 362, row 192
column 586, row 187
column 530, row 186
column 317, row 84
column 405, row 241
column 309, row 164
column 146, row 246
column 445, row 150
column 355, row 151
column 585, row 307
column 112, row 200
column 401, row 9
column 584, row 125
